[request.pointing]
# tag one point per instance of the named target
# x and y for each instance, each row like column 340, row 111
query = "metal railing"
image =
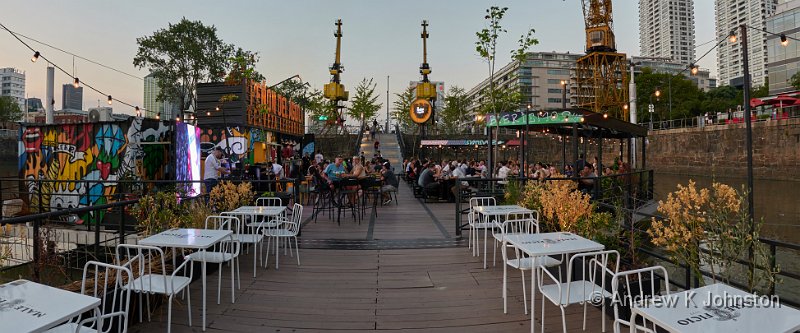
column 22, row 240
column 627, row 194
column 702, row 121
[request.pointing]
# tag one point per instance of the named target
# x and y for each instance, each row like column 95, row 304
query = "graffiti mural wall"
column 85, row 160
column 242, row 144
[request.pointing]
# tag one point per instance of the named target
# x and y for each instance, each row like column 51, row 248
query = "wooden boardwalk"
column 402, row 271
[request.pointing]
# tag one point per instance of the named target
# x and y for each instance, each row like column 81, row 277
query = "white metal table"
column 496, row 211
column 27, row 306
column 546, row 244
column 197, row 239
column 717, row 308
column 263, row 211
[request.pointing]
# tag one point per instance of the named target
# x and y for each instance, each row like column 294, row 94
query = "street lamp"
column 564, row 94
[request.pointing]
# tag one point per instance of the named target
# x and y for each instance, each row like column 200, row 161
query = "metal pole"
column 386, row 130
column 749, row 145
column 525, row 138
column 575, row 149
column 564, row 95
column 490, row 161
column 633, row 112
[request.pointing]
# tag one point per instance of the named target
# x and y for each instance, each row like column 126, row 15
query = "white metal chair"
column 475, row 223
column 587, row 287
column 288, row 230
column 647, row 292
column 153, row 279
column 520, row 223
column 271, row 223
column 226, row 251
column 255, row 237
column 106, row 282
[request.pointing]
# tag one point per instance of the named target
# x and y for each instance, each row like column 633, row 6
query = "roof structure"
column 561, row 122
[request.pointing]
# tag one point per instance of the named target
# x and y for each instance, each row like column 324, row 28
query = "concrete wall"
column 720, row 150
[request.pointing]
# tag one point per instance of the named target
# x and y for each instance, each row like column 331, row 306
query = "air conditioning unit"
column 99, row 114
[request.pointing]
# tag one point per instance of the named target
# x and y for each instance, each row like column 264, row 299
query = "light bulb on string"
column 110, row 99
column 35, row 56
column 784, row 40
column 76, row 83
column 158, row 116
column 138, row 112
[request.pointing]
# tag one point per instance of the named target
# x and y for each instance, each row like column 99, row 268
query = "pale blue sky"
column 381, row 37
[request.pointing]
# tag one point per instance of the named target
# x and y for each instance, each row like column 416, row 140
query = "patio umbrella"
column 782, row 100
column 755, row 102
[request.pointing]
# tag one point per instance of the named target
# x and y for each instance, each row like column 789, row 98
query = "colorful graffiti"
column 187, row 158
column 239, row 143
column 78, row 165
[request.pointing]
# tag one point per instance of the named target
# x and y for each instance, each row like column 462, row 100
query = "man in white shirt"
column 277, row 168
column 212, row 167
column 503, row 173
column 318, row 157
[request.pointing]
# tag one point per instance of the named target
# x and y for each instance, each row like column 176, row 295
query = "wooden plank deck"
column 382, row 285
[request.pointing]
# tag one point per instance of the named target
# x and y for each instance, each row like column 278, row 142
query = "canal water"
column 775, row 201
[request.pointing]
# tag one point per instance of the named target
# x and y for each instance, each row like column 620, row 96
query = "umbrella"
column 782, row 100
column 755, row 102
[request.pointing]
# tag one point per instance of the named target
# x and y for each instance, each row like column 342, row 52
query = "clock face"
column 421, row 110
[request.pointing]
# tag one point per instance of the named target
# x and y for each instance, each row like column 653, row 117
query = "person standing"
column 318, row 157
column 377, row 146
column 212, row 167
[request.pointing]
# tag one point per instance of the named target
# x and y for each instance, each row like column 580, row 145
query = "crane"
column 600, row 75
column 335, row 91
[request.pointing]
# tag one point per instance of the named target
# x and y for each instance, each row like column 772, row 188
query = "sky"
column 381, row 38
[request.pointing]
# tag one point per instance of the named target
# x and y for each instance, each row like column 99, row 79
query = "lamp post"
column 563, row 94
column 748, row 128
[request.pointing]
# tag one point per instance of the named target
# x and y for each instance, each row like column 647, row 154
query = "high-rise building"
column 12, row 83
column 730, row 14
column 666, row 29
column 538, row 80
column 35, row 105
column 783, row 61
column 702, row 79
column 152, row 106
column 71, row 97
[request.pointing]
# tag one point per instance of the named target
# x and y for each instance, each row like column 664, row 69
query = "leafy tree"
column 9, row 110
column 795, row 80
column 760, row 91
column 486, row 46
column 187, row 53
column 402, row 107
column 720, row 99
column 499, row 100
column 365, row 103
column 454, row 112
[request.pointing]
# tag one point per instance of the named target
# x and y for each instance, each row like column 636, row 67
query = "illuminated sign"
column 421, row 110
column 480, row 142
column 535, row 118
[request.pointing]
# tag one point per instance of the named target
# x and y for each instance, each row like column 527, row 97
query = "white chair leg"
column 169, row 314
column 564, row 319
column 297, row 250
column 234, row 265
column 505, row 287
column 189, row 303
column 524, row 292
column 219, row 284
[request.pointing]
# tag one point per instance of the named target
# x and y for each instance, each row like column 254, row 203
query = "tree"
column 9, row 110
column 365, row 101
column 402, row 107
column 454, row 112
column 187, row 53
column 486, row 46
column 795, row 80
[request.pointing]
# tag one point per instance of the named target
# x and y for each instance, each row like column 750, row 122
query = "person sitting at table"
column 428, row 179
column 588, row 177
column 335, row 170
column 390, row 183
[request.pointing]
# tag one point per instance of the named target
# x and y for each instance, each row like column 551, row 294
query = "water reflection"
column 775, row 201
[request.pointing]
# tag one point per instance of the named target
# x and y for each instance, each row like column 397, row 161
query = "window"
column 553, row 81
column 553, row 91
column 557, row 72
column 553, row 100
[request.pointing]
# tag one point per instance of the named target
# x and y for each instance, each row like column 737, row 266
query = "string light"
column 110, row 99
column 784, row 40
column 217, row 108
column 138, row 112
column 158, row 116
column 694, row 69
column 605, row 115
column 76, row 82
column 732, row 36
column 208, row 113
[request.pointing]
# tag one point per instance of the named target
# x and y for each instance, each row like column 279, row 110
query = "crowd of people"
column 432, row 175
column 329, row 174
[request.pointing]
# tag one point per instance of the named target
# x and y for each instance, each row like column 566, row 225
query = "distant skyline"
column 381, row 38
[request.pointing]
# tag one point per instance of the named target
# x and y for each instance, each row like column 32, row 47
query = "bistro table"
column 546, row 244
column 27, row 306
column 717, row 308
column 266, row 212
column 197, row 239
column 496, row 211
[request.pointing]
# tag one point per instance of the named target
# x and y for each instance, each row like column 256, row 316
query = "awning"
column 444, row 143
column 782, row 100
column 563, row 121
